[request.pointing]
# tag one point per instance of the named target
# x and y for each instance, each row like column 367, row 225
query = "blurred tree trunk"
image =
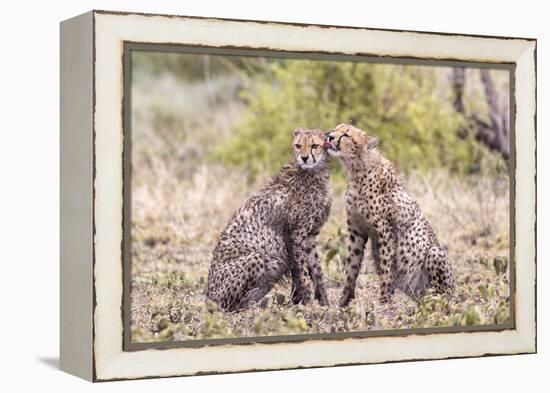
column 500, row 119
column 494, row 134
column 458, row 87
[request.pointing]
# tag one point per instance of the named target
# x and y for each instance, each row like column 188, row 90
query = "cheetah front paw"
column 386, row 290
column 347, row 296
column 300, row 297
column 323, row 301
column 322, row 298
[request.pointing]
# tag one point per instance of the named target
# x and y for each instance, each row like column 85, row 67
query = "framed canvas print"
column 246, row 195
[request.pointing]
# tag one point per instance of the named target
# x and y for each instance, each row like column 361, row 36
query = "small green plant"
column 335, row 251
column 174, row 279
column 335, row 247
column 500, row 264
column 438, row 310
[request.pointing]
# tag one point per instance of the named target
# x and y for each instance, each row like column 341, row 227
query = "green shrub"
column 404, row 105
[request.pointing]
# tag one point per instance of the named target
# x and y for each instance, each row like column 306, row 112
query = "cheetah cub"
column 275, row 232
column 406, row 251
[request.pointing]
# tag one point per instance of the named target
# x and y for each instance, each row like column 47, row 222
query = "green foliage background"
column 406, row 107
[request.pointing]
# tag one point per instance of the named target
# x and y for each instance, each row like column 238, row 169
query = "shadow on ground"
column 52, row 362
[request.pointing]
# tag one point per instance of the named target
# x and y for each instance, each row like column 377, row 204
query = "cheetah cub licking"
column 275, row 232
column 406, row 251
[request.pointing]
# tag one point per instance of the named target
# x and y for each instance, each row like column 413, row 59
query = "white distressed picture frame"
column 92, row 143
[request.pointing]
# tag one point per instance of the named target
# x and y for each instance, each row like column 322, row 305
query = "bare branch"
column 498, row 116
column 495, row 134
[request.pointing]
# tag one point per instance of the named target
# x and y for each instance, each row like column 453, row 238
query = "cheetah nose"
column 304, row 159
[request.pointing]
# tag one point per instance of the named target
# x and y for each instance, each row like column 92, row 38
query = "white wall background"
column 29, row 196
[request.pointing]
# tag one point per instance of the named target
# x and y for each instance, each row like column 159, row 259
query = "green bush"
column 404, row 105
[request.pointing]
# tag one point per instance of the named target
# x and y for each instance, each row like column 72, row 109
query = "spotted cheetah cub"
column 275, row 232
column 406, row 251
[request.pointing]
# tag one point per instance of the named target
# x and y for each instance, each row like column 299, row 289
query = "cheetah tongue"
column 328, row 145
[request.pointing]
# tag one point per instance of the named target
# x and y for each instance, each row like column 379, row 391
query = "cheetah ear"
column 372, row 142
column 298, row 131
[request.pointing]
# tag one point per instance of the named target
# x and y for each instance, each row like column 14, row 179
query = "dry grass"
column 182, row 199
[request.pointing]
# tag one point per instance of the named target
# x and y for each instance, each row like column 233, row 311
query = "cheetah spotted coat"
column 406, row 251
column 275, row 233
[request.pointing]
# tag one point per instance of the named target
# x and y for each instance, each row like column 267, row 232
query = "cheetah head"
column 347, row 141
column 308, row 148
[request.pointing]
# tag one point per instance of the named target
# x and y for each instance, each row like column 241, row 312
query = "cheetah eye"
column 297, row 146
column 314, row 146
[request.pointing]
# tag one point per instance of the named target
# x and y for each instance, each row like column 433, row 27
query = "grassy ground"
column 182, row 198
